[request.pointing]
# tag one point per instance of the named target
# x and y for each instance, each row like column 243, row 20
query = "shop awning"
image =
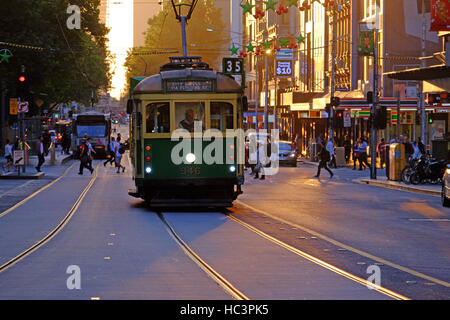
column 427, row 73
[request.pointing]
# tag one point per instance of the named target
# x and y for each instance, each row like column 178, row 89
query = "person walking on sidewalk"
column 8, row 155
column 330, row 149
column 363, row 154
column 347, row 148
column 324, row 157
column 112, row 152
column 382, row 153
column 40, row 153
column 84, row 158
column 355, row 154
column 119, row 151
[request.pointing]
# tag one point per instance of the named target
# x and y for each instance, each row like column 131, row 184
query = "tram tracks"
column 209, row 270
column 236, row 294
column 57, row 229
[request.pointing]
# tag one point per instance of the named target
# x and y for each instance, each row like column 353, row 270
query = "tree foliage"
column 164, row 34
column 71, row 62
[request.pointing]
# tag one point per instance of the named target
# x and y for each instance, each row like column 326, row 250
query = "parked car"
column 56, row 137
column 445, row 193
column 287, row 153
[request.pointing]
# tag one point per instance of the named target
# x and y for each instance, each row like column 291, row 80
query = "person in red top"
column 381, row 148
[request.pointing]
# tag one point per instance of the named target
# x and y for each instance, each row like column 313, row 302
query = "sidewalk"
column 30, row 170
column 363, row 177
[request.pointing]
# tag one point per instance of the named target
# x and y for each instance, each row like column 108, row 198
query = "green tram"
column 188, row 95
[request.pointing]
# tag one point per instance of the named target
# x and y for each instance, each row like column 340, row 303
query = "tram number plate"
column 190, row 171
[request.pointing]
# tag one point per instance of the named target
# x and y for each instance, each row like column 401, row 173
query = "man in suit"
column 40, row 152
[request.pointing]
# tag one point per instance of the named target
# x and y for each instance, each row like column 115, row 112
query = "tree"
column 69, row 64
column 164, row 34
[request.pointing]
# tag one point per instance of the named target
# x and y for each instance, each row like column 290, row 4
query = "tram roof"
column 154, row 83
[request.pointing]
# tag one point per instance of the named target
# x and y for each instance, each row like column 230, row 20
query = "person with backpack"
column 119, row 150
column 324, row 157
column 112, row 152
column 84, row 158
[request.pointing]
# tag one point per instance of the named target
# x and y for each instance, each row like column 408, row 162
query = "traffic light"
column 417, row 118
column 430, row 120
column 338, row 120
column 328, row 109
column 380, row 118
column 335, row 101
column 369, row 96
column 22, row 87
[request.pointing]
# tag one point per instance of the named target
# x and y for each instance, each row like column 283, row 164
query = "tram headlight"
column 232, row 169
column 148, row 170
column 190, row 157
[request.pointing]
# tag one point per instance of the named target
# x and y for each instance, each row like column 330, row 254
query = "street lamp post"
column 190, row 4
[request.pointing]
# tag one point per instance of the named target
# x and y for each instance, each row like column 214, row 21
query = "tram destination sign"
column 189, row 86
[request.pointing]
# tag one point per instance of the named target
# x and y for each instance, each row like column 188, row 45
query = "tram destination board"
column 189, row 86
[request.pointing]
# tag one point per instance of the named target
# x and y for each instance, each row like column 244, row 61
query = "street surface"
column 291, row 236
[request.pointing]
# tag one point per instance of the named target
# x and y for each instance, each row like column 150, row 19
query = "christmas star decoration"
column 270, row 5
column 234, row 50
column 300, row 39
column 250, row 47
column 293, row 3
column 284, row 42
column 247, row 8
column 5, row 55
column 267, row 44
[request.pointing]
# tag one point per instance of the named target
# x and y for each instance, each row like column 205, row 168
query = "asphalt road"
column 328, row 237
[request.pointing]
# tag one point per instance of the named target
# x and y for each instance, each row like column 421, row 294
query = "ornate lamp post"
column 179, row 8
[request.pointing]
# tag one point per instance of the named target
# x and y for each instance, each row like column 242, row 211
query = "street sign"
column 283, row 68
column 285, row 54
column 19, row 157
column 233, row 66
column 23, row 107
column 347, row 119
column 13, row 106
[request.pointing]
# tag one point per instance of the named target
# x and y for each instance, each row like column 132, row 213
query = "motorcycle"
column 428, row 170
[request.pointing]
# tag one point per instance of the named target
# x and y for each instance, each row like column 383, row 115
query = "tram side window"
column 158, row 117
column 221, row 115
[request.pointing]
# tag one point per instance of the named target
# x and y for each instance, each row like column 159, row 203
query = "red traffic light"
column 22, row 78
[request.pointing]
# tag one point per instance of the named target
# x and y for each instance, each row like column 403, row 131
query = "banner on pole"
column 366, row 40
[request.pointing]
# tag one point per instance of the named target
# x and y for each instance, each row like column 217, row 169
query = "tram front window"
column 190, row 116
column 158, row 117
column 221, row 115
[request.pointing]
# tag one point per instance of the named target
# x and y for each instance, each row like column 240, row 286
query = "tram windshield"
column 190, row 116
column 221, row 115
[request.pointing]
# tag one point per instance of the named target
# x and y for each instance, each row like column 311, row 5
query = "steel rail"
column 216, row 276
column 318, row 261
column 55, row 231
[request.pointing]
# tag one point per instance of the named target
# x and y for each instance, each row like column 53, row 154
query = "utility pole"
column 333, row 67
column 421, row 102
column 373, row 140
column 266, row 98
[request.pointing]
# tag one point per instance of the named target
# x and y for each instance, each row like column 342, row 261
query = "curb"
column 397, row 187
column 14, row 176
